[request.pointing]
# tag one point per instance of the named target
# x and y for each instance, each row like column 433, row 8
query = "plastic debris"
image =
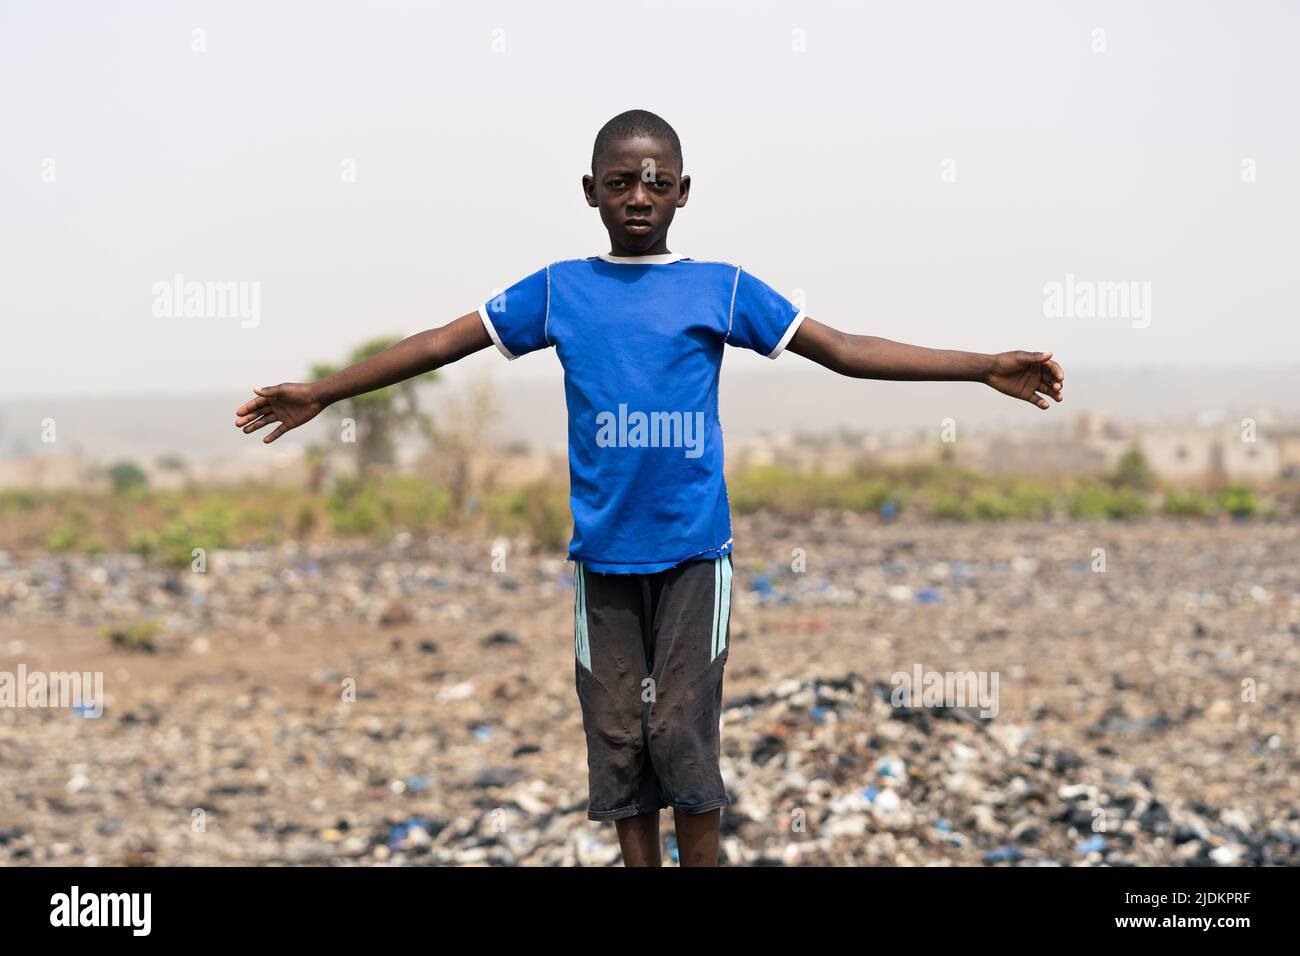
column 306, row 731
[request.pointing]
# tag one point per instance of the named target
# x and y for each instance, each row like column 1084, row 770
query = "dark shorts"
column 650, row 650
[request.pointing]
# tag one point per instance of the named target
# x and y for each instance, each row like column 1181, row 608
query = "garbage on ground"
column 403, row 706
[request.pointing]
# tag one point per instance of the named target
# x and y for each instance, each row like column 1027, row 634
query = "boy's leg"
column 697, row 837
column 691, row 645
column 612, row 616
column 638, row 837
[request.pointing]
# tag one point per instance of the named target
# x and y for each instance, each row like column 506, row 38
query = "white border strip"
column 662, row 258
column 492, row 331
column 546, row 323
column 724, row 614
column 731, row 310
column 790, row 330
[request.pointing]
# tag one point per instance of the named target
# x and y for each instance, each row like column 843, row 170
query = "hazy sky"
column 819, row 137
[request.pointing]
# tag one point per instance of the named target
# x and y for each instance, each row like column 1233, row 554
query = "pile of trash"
column 414, row 704
column 856, row 780
column 408, row 579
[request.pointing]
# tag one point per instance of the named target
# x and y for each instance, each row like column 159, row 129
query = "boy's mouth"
column 638, row 226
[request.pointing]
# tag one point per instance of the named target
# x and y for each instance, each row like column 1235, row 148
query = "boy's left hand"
column 1025, row 374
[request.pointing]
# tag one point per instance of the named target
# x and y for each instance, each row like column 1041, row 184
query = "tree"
column 317, row 467
column 126, row 475
column 379, row 416
column 1132, row 471
column 465, row 420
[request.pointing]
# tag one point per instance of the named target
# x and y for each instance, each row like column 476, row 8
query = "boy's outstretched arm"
column 293, row 404
column 1018, row 374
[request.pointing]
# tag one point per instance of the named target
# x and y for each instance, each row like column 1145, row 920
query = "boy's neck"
column 622, row 252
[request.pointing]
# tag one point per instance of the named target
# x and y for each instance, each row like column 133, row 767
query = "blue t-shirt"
column 640, row 339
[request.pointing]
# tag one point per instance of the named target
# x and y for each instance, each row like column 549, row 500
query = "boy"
column 640, row 334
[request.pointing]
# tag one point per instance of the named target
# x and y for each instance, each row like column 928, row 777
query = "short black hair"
column 632, row 125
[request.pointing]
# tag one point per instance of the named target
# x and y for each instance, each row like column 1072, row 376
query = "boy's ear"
column 589, row 190
column 685, row 190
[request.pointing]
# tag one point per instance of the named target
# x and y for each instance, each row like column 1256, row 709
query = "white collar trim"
column 661, row 258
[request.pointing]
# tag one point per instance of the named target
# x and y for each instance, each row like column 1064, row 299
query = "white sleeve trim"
column 731, row 310
column 492, row 331
column 546, row 323
column 789, row 334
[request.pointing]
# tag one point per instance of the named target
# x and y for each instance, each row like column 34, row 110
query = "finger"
column 243, row 420
column 1038, row 400
column 260, row 423
column 249, row 405
column 269, row 391
column 1057, row 372
column 284, row 427
column 1026, row 358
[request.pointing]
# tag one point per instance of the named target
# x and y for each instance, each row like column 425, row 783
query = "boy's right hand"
column 291, row 404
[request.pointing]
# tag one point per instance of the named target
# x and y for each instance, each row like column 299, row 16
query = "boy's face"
column 637, row 187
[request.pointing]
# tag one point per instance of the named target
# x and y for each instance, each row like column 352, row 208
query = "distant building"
column 1053, row 454
column 1288, row 454
column 1240, row 460
column 52, row 473
column 1219, row 447
column 1182, row 454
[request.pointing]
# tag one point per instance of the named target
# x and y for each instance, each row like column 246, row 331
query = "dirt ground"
column 412, row 705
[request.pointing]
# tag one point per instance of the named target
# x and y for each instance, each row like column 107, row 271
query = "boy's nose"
column 640, row 198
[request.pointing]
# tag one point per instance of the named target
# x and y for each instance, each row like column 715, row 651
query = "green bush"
column 356, row 508
column 1238, row 500
column 797, row 495
column 990, row 504
column 144, row 542
column 541, row 508
column 1132, row 471
column 946, row 507
column 306, row 521
column 758, row 488
column 1094, row 502
column 1087, row 502
column 18, row 500
column 412, row 502
column 63, row 537
column 165, row 526
column 173, row 544
column 869, row 496
column 135, row 636
column 1029, row 501
column 1128, row 503
column 361, row 515
column 126, row 475
column 1021, row 500
column 1191, row 504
